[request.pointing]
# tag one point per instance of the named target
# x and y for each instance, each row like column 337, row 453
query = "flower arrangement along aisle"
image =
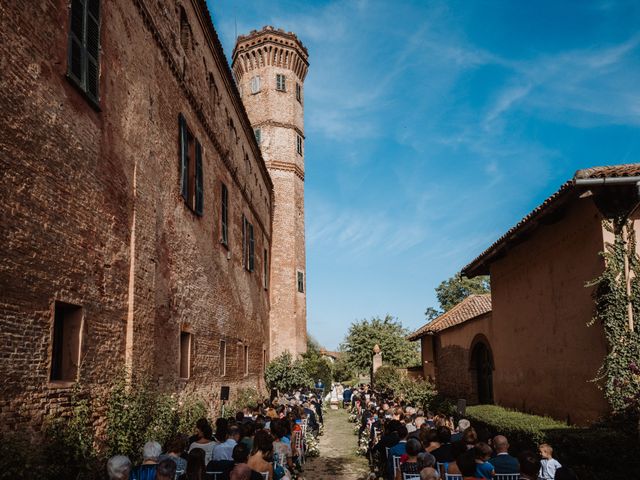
column 313, row 446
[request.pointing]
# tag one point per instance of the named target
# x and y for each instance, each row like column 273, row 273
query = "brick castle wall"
column 92, row 213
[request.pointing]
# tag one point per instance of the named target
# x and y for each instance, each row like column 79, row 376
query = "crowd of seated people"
column 262, row 443
column 407, row 442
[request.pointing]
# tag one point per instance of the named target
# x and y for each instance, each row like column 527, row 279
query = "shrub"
column 579, row 448
column 386, row 378
column 419, row 393
column 245, row 397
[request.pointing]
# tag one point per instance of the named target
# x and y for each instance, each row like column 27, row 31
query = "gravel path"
column 337, row 460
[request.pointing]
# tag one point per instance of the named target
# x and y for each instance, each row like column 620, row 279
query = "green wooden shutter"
column 184, row 158
column 199, row 180
column 93, row 48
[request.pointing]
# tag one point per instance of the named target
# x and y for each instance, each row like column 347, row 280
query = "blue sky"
column 432, row 127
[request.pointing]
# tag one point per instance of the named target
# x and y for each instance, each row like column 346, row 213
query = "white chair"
column 265, row 475
column 299, row 445
column 442, row 468
column 410, row 476
column 507, row 476
column 396, row 465
column 214, row 475
column 179, row 473
column 452, row 476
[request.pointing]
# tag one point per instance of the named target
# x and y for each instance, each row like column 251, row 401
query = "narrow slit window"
column 186, row 341
column 299, row 144
column 300, row 282
column 66, row 342
column 258, row 134
column 223, row 358
column 246, row 360
column 299, row 92
column 265, row 269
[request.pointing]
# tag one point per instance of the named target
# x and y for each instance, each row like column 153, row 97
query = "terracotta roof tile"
column 471, row 307
column 479, row 266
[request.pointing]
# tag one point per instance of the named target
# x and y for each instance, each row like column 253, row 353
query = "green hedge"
column 594, row 453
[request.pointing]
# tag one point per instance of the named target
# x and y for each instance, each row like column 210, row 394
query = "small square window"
column 66, row 342
column 280, row 82
column 185, row 354
column 300, row 282
column 255, row 84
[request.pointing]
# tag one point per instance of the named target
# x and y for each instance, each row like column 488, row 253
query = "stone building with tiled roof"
column 531, row 348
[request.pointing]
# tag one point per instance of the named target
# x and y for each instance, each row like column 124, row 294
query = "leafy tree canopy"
column 388, row 333
column 285, row 374
column 452, row 291
column 316, row 366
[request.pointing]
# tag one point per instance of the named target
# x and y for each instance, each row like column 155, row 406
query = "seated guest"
column 224, row 450
column 429, row 473
column 470, row 437
column 204, row 440
column 282, row 455
column 118, row 467
column 195, row 465
column 463, row 424
column 443, row 453
column 529, row 465
column 166, row 470
column 242, row 471
column 502, row 461
column 457, row 449
column 467, row 465
column 429, row 438
column 397, row 450
column 412, row 464
column 262, row 453
column 247, row 431
column 175, row 448
column 484, row 469
column 408, row 422
column 147, row 471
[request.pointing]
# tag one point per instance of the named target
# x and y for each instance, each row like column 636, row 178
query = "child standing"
column 482, row 453
column 549, row 464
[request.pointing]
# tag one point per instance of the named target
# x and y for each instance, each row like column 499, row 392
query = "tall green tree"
column 285, row 374
column 386, row 332
column 452, row 291
column 316, row 366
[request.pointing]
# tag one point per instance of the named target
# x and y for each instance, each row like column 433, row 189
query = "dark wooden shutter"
column 251, row 248
column 76, row 40
column 184, row 158
column 224, row 214
column 93, row 47
column 244, row 241
column 199, row 180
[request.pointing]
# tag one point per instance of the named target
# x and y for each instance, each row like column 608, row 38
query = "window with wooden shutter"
column 84, row 47
column 191, row 168
column 199, row 180
column 252, row 244
column 224, row 215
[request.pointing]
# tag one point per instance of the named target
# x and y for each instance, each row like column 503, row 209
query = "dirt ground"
column 337, row 460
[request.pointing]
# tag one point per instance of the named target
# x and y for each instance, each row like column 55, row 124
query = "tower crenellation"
column 270, row 66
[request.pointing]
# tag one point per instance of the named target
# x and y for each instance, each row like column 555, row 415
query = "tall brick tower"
column 270, row 67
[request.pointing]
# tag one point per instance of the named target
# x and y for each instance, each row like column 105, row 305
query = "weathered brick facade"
column 92, row 212
column 261, row 60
